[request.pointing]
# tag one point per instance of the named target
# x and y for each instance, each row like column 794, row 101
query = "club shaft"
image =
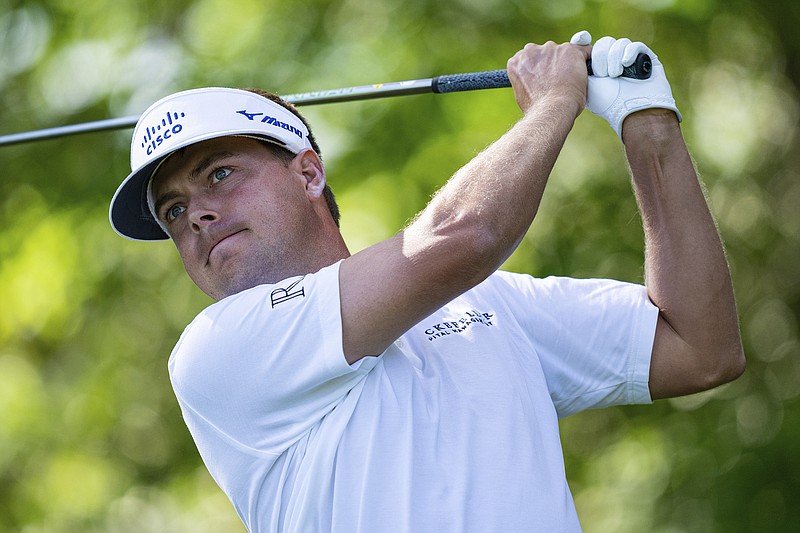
column 346, row 94
column 448, row 83
column 361, row 92
column 72, row 129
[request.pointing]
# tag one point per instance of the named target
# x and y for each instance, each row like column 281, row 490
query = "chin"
column 234, row 286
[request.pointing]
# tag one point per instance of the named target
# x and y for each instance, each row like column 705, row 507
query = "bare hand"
column 541, row 73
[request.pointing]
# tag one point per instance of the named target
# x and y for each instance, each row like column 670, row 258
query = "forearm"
column 484, row 210
column 491, row 202
column 467, row 230
column 686, row 271
column 476, row 219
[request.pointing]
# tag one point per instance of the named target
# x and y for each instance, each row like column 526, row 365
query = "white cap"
column 185, row 118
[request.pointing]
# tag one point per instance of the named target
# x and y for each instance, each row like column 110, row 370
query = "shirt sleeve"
column 593, row 338
column 263, row 366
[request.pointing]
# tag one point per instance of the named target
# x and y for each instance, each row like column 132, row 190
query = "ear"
column 309, row 165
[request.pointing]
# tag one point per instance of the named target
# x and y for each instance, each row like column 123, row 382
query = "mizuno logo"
column 272, row 121
column 155, row 135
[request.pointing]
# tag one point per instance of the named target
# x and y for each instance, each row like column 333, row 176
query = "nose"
column 201, row 215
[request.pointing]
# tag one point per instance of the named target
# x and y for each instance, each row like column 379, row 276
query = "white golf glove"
column 613, row 97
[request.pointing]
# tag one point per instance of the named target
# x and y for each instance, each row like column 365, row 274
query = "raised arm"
column 477, row 218
column 697, row 344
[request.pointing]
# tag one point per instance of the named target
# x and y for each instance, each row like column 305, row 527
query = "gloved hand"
column 613, row 97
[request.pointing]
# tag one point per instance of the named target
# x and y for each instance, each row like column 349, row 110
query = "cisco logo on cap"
column 166, row 129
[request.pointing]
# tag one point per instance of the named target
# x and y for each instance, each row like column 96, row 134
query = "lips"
column 222, row 240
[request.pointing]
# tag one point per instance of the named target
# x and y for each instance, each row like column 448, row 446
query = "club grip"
column 470, row 81
column 641, row 69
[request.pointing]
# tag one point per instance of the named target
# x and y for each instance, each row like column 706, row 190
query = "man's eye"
column 174, row 212
column 220, row 174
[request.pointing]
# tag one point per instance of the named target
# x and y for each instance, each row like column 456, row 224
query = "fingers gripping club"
column 612, row 98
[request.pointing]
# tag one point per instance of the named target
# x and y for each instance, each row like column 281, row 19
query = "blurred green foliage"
column 91, row 438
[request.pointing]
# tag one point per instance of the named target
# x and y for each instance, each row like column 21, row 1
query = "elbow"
column 729, row 366
column 484, row 249
column 678, row 368
column 735, row 367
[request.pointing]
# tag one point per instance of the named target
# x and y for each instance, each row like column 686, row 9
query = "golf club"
column 448, row 83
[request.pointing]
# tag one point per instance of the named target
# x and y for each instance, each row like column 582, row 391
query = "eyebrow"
column 198, row 169
column 161, row 200
column 207, row 161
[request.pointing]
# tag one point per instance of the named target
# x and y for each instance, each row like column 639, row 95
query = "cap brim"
column 187, row 118
column 129, row 214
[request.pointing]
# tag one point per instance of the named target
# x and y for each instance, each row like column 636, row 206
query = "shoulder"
column 505, row 284
column 296, row 308
column 293, row 318
column 282, row 299
column 553, row 293
column 552, row 286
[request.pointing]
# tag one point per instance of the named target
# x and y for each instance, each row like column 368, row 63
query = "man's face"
column 237, row 214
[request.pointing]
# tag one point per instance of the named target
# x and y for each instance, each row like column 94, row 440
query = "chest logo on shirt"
column 470, row 319
column 278, row 296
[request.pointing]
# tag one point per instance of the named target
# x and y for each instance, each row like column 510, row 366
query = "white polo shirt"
column 453, row 428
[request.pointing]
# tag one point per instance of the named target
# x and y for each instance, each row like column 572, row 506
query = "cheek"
column 198, row 276
column 190, row 259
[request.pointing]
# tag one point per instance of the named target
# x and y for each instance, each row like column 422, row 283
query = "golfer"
column 413, row 387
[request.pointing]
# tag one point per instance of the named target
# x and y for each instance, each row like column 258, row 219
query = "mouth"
column 221, row 242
